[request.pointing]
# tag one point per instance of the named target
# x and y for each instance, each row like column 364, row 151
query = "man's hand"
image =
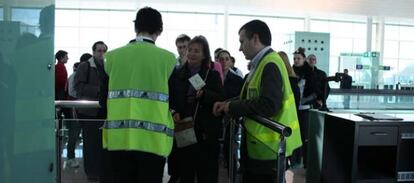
column 177, row 117
column 220, row 107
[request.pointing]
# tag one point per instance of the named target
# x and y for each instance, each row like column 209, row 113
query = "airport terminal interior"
column 362, row 130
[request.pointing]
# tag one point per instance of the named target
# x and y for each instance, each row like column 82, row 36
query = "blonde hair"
column 289, row 68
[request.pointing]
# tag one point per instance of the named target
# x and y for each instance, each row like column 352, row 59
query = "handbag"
column 184, row 130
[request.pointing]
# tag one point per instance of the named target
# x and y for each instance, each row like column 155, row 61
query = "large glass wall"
column 398, row 54
column 77, row 30
column 1, row 13
column 346, row 37
column 27, row 133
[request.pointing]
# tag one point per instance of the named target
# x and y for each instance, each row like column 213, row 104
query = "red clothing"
column 61, row 81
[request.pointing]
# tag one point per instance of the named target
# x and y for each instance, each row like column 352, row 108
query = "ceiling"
column 374, row 8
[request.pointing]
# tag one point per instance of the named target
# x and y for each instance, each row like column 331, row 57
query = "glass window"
column 390, row 77
column 210, row 26
column 341, row 45
column 406, row 49
column 28, row 16
column 1, row 13
column 406, row 70
column 406, row 33
column 391, row 32
column 94, row 18
column 391, row 49
column 67, row 18
column 339, row 29
column 66, row 37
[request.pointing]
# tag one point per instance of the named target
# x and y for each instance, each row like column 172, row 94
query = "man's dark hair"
column 60, row 54
column 182, row 38
column 148, row 20
column 216, row 52
column 96, row 44
column 260, row 28
column 205, row 49
column 75, row 66
column 85, row 57
column 233, row 59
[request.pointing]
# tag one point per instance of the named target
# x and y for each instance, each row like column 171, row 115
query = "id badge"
column 197, row 82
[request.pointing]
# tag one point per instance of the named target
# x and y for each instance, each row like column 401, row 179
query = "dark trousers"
column 74, row 132
column 301, row 152
column 249, row 177
column 92, row 146
column 199, row 160
column 173, row 164
column 134, row 166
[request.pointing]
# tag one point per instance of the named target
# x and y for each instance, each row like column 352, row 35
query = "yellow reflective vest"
column 138, row 112
column 263, row 143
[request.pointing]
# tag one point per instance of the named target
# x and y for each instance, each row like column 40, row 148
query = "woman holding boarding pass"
column 194, row 88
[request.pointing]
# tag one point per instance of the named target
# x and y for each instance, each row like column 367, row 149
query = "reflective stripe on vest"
column 138, row 94
column 119, row 124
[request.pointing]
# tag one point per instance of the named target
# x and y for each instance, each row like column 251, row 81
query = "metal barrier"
column 59, row 105
column 284, row 132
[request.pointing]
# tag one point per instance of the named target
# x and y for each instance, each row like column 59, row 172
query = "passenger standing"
column 61, row 75
column 233, row 84
column 91, row 84
column 322, row 83
column 200, row 159
column 138, row 133
column 293, row 79
column 182, row 43
column 267, row 93
column 173, row 163
column 308, row 87
column 74, row 126
column 346, row 80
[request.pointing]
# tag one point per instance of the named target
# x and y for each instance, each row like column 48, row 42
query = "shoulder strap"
column 198, row 103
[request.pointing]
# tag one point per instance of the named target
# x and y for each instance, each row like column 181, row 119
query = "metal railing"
column 59, row 105
column 284, row 132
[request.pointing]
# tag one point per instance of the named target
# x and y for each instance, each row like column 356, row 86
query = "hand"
column 199, row 94
column 319, row 102
column 177, row 117
column 220, row 107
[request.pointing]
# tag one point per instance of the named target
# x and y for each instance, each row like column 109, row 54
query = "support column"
column 369, row 34
column 307, row 24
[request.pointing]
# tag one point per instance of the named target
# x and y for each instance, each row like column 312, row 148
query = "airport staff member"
column 138, row 133
column 267, row 93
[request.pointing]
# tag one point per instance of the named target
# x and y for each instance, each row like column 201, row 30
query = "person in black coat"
column 200, row 159
column 323, row 84
column 233, row 84
column 309, row 90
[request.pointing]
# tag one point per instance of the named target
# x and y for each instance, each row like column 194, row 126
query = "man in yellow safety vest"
column 138, row 133
column 266, row 92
